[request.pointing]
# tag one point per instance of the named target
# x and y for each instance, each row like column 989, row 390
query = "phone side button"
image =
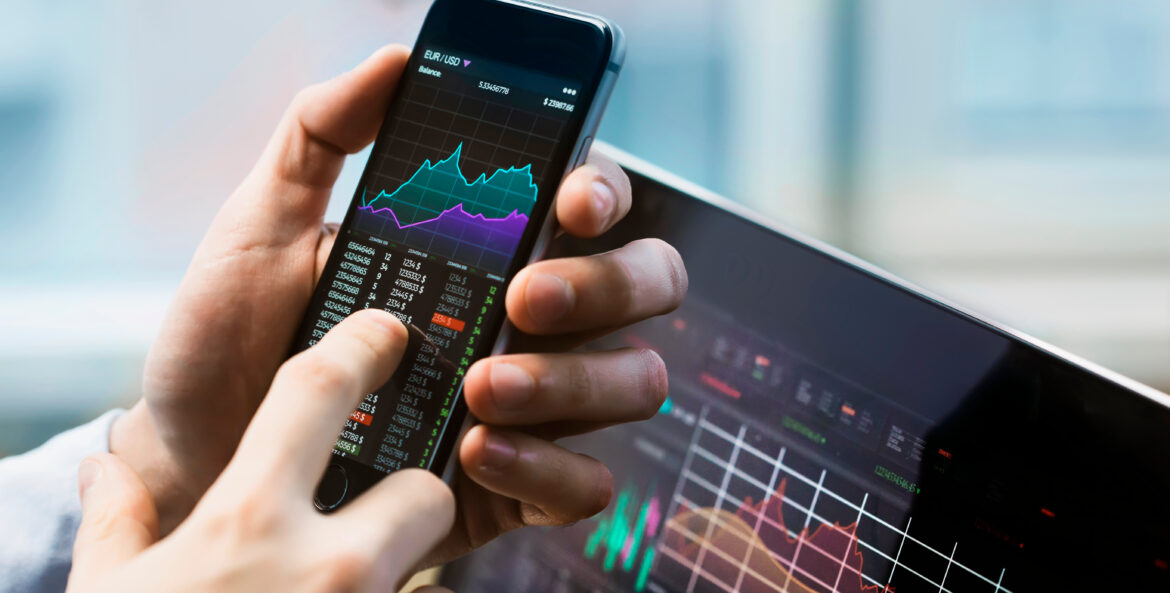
column 584, row 151
column 332, row 489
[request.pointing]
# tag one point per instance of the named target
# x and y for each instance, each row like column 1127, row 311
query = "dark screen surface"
column 829, row 430
column 479, row 133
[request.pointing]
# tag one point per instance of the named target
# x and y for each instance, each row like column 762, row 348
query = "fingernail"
column 498, row 452
column 603, row 201
column 512, row 386
column 88, row 473
column 549, row 298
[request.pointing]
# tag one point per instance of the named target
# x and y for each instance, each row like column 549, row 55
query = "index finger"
column 315, row 390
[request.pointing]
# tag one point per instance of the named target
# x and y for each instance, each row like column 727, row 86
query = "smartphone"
column 499, row 102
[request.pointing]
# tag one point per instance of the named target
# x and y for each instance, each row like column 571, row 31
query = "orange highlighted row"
column 361, row 417
column 448, row 322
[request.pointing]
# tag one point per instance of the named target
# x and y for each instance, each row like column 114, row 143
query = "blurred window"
column 1014, row 156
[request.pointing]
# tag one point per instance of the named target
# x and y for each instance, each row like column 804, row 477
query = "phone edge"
column 617, row 54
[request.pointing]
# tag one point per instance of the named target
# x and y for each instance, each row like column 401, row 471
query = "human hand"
column 234, row 317
column 256, row 529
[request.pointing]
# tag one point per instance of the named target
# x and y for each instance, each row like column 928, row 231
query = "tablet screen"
column 830, row 431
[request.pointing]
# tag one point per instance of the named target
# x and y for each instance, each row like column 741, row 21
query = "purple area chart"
column 478, row 223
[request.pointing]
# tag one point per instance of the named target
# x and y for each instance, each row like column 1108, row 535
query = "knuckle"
column 623, row 284
column 531, row 515
column 580, row 384
column 251, row 517
column 342, row 569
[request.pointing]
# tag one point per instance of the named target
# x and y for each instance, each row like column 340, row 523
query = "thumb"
column 118, row 518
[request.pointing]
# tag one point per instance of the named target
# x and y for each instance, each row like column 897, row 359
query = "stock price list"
column 446, row 306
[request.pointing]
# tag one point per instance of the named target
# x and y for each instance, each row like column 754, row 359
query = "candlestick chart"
column 624, row 537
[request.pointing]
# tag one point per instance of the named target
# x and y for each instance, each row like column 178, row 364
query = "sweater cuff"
column 40, row 509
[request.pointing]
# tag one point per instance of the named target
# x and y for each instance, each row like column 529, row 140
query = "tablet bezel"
column 691, row 189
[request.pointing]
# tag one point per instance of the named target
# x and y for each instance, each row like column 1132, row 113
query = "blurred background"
column 1013, row 156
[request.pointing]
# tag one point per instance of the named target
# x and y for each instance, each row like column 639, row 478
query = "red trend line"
column 829, row 544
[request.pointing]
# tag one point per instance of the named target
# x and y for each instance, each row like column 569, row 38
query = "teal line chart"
column 439, row 211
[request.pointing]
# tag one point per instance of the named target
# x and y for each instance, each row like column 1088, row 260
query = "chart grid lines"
column 760, row 516
column 807, row 520
column 950, row 561
column 722, row 493
column 696, row 566
column 691, row 504
column 898, row 556
column 730, row 467
column 711, row 488
column 480, row 133
column 792, row 472
column 848, row 548
column 792, row 503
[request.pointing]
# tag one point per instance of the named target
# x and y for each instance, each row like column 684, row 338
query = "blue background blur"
column 1012, row 155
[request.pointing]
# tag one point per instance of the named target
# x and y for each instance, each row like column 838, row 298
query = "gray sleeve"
column 39, row 508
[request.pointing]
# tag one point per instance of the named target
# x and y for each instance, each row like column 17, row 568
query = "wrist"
column 135, row 439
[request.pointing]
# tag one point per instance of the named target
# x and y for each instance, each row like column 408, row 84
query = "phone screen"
column 461, row 176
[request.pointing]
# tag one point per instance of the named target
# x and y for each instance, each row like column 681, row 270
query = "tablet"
column 831, row 428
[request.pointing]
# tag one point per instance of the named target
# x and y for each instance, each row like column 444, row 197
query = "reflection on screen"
column 827, row 432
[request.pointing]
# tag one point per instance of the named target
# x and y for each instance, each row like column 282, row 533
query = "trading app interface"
column 459, row 172
column 813, row 444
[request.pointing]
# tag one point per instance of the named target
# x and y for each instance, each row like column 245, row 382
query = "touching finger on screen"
column 314, row 392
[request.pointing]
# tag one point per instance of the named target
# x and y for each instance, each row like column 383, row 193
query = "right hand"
column 236, row 313
column 256, row 528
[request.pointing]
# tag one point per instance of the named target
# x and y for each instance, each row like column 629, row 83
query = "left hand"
column 255, row 529
column 233, row 319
